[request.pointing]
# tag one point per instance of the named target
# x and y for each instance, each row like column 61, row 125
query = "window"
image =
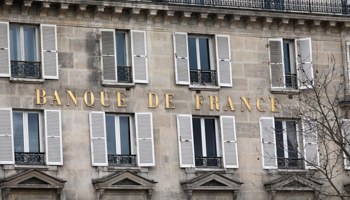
column 274, row 4
column 290, row 64
column 22, row 139
column 284, row 147
column 112, row 139
column 20, row 53
column 200, row 144
column 194, row 61
column 116, row 66
column 119, row 137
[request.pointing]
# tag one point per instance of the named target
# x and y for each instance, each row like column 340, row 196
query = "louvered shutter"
column 49, row 52
column 304, row 63
column 223, row 58
column 268, row 142
column 346, row 141
column 98, row 138
column 185, row 138
column 139, row 56
column 53, row 135
column 6, row 137
column 310, row 144
column 144, row 139
column 108, row 55
column 229, row 141
column 182, row 69
column 276, row 63
column 5, row 66
column 348, row 59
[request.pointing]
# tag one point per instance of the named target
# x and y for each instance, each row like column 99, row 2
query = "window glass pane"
column 124, row 135
column 110, row 131
column 15, row 43
column 204, row 53
column 33, row 132
column 192, row 53
column 279, row 139
column 292, row 139
column 197, row 137
column 210, row 137
column 286, row 58
column 29, row 44
column 18, row 131
column 121, row 49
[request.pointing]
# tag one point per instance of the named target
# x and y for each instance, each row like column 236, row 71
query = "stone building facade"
column 159, row 100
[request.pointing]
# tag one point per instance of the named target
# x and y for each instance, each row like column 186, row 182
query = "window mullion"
column 117, row 137
column 204, row 142
column 21, row 36
column 25, row 132
column 198, row 54
column 285, row 139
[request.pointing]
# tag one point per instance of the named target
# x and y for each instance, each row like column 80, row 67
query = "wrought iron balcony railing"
column 208, row 162
column 124, row 74
column 291, row 81
column 25, row 158
column 341, row 7
column 25, row 69
column 203, row 77
column 290, row 163
column 121, row 160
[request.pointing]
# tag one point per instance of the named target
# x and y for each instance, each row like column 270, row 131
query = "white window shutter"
column 229, row 141
column 185, row 138
column 348, row 60
column 182, row 66
column 268, row 142
column 49, row 52
column 223, row 58
column 276, row 64
column 144, row 139
column 311, row 154
column 108, row 55
column 6, row 136
column 346, row 141
column 53, row 136
column 5, row 64
column 139, row 56
column 98, row 138
column 304, row 63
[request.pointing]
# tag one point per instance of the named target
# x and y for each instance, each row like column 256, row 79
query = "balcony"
column 25, row 158
column 25, row 69
column 208, row 162
column 122, row 160
column 290, row 163
column 340, row 7
column 203, row 77
column 124, row 74
column 291, row 81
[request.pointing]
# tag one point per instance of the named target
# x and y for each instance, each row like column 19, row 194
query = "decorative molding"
column 250, row 22
column 236, row 19
column 218, row 20
column 80, row 11
column 98, row 12
column 298, row 25
column 314, row 26
column 151, row 15
column 330, row 26
column 169, row 14
column 185, row 17
column 267, row 22
column 282, row 24
column 25, row 7
column 133, row 14
column 62, row 10
column 202, row 17
column 6, row 5
column 43, row 9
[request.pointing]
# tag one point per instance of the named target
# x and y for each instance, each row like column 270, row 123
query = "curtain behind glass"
column 33, row 132
column 15, row 43
column 29, row 44
column 18, row 131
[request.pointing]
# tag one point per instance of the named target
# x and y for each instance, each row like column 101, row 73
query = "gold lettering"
column 229, row 104
column 120, row 100
column 169, row 101
column 56, row 98
column 274, row 104
column 258, row 104
column 91, row 99
column 199, row 102
column 38, row 97
column 216, row 102
column 103, row 99
column 74, row 99
column 247, row 104
column 150, row 102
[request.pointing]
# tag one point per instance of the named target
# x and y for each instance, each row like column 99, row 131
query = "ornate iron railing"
column 25, row 158
column 291, row 81
column 203, row 77
column 121, row 160
column 309, row 6
column 208, row 161
column 124, row 74
column 25, row 69
column 290, row 163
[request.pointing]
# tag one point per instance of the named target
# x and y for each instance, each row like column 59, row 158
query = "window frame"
column 25, row 131
column 117, row 133
column 291, row 55
column 127, row 44
column 211, row 53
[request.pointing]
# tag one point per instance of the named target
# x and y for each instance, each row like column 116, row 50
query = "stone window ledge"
column 38, row 167
column 219, row 170
column 205, row 88
column 26, row 80
column 290, row 171
column 285, row 91
column 116, row 84
column 119, row 168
